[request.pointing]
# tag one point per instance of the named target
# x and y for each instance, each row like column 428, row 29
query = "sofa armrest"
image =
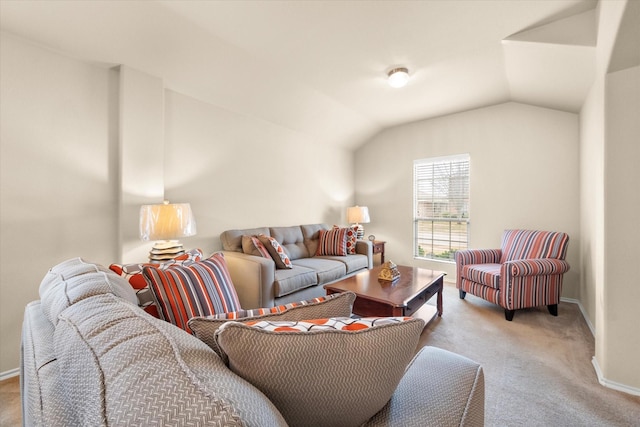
column 438, row 388
column 478, row 256
column 364, row 247
column 534, row 267
column 253, row 278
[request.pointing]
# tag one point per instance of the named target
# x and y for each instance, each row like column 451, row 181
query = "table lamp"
column 165, row 223
column 358, row 215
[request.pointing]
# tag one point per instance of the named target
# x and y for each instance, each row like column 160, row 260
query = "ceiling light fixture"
column 398, row 77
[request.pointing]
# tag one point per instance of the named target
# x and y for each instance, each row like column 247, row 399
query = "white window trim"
column 415, row 218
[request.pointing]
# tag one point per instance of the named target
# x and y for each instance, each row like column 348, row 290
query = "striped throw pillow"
column 133, row 274
column 202, row 288
column 332, row 242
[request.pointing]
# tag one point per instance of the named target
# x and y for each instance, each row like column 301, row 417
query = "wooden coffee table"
column 401, row 298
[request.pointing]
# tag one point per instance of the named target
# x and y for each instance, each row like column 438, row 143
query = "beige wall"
column 58, row 181
column 83, row 145
column 622, row 234
column 239, row 172
column 609, row 176
column 524, row 174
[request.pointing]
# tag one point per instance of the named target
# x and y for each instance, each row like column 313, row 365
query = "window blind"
column 441, row 206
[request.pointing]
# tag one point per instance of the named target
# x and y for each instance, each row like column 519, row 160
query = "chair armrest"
column 253, row 278
column 534, row 267
column 478, row 256
column 438, row 388
column 364, row 247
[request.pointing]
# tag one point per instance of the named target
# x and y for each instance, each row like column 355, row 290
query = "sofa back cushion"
column 123, row 367
column 232, row 239
column 353, row 368
column 311, row 235
column 76, row 279
column 292, row 241
column 334, row 305
column 530, row 244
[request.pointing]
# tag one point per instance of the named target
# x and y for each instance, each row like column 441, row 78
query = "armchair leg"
column 462, row 294
column 553, row 309
column 508, row 314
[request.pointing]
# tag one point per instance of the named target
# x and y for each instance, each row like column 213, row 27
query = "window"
column 441, row 206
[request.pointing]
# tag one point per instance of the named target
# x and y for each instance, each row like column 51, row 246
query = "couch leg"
column 508, row 314
column 462, row 294
column 553, row 309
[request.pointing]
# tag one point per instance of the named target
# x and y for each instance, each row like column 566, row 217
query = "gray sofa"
column 92, row 357
column 260, row 284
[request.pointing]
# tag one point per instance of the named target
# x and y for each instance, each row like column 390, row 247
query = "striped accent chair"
column 526, row 271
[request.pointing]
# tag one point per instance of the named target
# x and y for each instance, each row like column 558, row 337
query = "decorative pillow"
column 251, row 245
column 353, row 373
column 332, row 242
column 352, row 233
column 334, row 305
column 276, row 251
column 198, row 289
column 335, row 323
column 133, row 274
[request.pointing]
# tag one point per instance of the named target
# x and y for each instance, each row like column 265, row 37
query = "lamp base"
column 165, row 251
column 359, row 232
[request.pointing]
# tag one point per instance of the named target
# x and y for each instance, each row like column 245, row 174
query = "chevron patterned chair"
column 526, row 271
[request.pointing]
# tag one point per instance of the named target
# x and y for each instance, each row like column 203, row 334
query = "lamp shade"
column 166, row 221
column 358, row 214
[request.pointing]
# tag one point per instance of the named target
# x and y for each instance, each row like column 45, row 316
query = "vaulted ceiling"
column 319, row 67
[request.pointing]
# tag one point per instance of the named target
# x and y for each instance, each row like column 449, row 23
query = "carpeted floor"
column 537, row 368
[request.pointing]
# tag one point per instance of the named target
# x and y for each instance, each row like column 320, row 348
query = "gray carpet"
column 537, row 368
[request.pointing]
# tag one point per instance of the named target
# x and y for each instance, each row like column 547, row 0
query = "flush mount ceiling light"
column 398, row 77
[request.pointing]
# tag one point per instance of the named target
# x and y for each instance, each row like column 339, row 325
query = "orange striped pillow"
column 133, row 274
column 332, row 242
column 198, row 289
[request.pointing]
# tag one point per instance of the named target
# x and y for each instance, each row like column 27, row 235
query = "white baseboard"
column 583, row 311
column 601, row 379
column 9, row 374
column 612, row 384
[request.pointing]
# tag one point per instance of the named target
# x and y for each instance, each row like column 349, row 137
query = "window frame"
column 460, row 201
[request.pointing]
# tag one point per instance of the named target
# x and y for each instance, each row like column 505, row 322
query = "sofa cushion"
column 327, row 270
column 198, row 289
column 276, row 251
column 332, row 242
column 74, row 280
column 529, row 244
column 457, row 383
column 311, row 235
column 292, row 240
column 293, row 279
column 132, row 273
column 353, row 372
column 122, row 367
column 334, row 305
column 351, row 262
column 486, row 274
column 232, row 239
column 251, row 245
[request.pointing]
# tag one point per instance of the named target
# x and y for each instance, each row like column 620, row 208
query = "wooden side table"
column 378, row 248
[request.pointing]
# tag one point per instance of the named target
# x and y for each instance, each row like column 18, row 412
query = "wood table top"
column 412, row 281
